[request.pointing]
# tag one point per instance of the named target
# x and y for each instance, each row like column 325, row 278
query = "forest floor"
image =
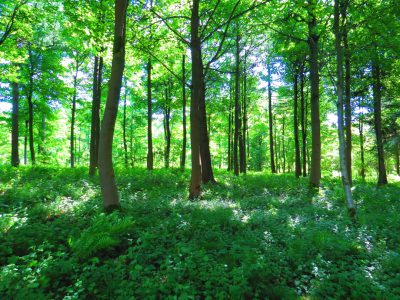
column 255, row 236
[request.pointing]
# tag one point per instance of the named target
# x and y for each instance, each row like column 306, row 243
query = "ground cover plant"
column 256, row 236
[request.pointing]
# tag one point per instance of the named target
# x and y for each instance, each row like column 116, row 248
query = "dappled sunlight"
column 258, row 231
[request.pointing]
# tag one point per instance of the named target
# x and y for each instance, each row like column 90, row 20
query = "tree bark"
column 107, row 178
column 295, row 124
column 15, row 129
column 377, row 95
column 303, row 123
column 197, row 79
column 124, row 126
column 236, row 140
column 26, row 143
column 167, row 128
column 398, row 159
column 73, row 112
column 283, row 144
column 361, row 131
column 150, row 155
column 244, row 97
column 347, row 103
column 95, row 123
column 207, row 173
column 271, row 132
column 230, row 117
column 184, row 131
column 315, row 175
column 339, row 88
column 30, row 108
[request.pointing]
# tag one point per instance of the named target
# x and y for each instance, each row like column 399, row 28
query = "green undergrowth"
column 255, row 236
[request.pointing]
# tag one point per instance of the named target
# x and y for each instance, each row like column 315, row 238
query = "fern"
column 105, row 233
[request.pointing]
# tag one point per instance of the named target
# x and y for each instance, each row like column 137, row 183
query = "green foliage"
column 257, row 236
column 105, row 232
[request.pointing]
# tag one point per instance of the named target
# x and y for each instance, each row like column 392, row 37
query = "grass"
column 255, row 236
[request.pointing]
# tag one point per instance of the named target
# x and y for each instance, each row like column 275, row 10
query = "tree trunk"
column 347, row 103
column 30, row 122
column 183, row 156
column 398, row 159
column 377, row 95
column 73, row 112
column 207, row 171
column 230, row 117
column 197, row 79
column 15, row 129
column 150, row 155
column 315, row 175
column 296, row 126
column 271, row 132
column 303, row 123
column 167, row 129
column 26, row 143
column 339, row 88
column 107, row 178
column 95, row 123
column 42, row 135
column 283, row 144
column 361, row 130
column 124, row 126
column 236, row 140
column 244, row 97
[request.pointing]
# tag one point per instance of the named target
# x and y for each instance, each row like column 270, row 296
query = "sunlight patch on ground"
column 9, row 220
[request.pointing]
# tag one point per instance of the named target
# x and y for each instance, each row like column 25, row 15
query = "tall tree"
column 95, row 122
column 15, row 129
column 340, row 102
column 107, row 177
column 313, row 43
column 270, row 120
column 197, row 90
column 377, row 94
column 184, row 130
column 296, row 121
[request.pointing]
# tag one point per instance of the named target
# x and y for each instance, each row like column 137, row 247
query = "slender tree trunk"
column 207, row 171
column 303, row 123
column 124, row 126
column 361, row 130
column 26, row 143
column 95, row 123
column 347, row 103
column 73, row 112
column 296, row 126
column 30, row 120
column 167, row 129
column 315, row 175
column 339, row 88
column 236, row 140
column 230, row 117
column 271, row 132
column 398, row 159
column 42, row 135
column 107, row 178
column 377, row 94
column 15, row 129
column 283, row 144
column 183, row 156
column 277, row 147
column 131, row 142
column 243, row 152
column 197, row 87
column 150, row 154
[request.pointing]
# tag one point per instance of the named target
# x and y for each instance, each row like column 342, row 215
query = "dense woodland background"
column 269, row 115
